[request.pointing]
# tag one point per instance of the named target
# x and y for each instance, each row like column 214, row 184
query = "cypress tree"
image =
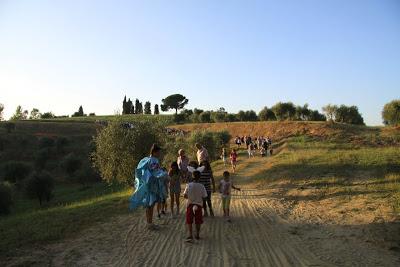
column 124, row 107
column 156, row 110
column 137, row 106
column 147, row 107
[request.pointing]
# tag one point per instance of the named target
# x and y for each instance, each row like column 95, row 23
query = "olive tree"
column 119, row 149
column 391, row 113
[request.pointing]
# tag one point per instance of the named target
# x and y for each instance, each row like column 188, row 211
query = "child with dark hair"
column 206, row 179
column 225, row 187
column 194, row 193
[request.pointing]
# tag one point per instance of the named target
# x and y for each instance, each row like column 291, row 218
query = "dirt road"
column 255, row 237
column 267, row 229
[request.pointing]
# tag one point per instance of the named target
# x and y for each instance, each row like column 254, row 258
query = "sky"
column 57, row 55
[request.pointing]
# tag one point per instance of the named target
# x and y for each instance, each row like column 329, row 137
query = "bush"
column 218, row 116
column 118, row 150
column 212, row 141
column 71, row 164
column 222, row 138
column 15, row 171
column 41, row 158
column 346, row 114
column 205, row 116
column 9, row 126
column 6, row 200
column 46, row 142
column 230, row 117
column 172, row 146
column 284, row 111
column 40, row 185
column 2, row 142
column 48, row 115
column 87, row 174
column 391, row 113
column 61, row 143
column 179, row 118
column 266, row 114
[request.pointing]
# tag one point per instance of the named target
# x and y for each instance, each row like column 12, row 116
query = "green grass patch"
column 71, row 212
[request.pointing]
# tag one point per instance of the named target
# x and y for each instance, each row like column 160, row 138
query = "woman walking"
column 148, row 177
column 183, row 163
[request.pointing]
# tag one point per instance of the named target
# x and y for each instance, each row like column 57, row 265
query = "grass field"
column 129, row 118
column 327, row 161
column 73, row 209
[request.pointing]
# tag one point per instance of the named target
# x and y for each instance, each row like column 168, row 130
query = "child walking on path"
column 207, row 179
column 223, row 156
column 174, row 186
column 225, row 189
column 233, row 158
column 194, row 193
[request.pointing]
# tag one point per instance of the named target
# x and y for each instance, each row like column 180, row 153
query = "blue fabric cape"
column 149, row 184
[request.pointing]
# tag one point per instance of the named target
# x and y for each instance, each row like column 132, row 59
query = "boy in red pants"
column 194, row 193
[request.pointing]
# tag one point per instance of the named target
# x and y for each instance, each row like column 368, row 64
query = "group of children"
column 153, row 184
column 195, row 193
column 200, row 185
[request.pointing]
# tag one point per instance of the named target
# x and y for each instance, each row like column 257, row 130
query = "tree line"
column 280, row 111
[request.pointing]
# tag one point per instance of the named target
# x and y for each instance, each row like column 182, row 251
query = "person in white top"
column 225, row 187
column 202, row 153
column 194, row 193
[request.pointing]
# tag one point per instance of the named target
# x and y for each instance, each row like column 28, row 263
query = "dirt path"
column 267, row 230
column 256, row 237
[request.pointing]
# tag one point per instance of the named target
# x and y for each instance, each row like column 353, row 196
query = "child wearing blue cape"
column 149, row 180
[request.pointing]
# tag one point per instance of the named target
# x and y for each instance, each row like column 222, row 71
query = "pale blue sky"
column 57, row 55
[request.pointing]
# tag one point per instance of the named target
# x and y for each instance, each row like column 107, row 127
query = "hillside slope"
column 362, row 135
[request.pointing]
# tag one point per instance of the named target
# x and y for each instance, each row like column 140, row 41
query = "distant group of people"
column 153, row 184
column 260, row 143
column 175, row 132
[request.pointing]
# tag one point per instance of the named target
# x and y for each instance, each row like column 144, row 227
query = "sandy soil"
column 257, row 236
column 273, row 225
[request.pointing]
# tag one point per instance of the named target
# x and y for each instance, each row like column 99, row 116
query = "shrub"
column 222, row 138
column 205, row 116
column 118, row 149
column 391, row 113
column 266, row 114
column 284, row 111
column 87, row 174
column 41, row 158
column 171, row 147
column 15, row 171
column 205, row 138
column 71, row 164
column 61, row 143
column 40, row 185
column 24, row 142
column 6, row 200
column 9, row 126
column 48, row 115
column 179, row 118
column 219, row 116
column 212, row 141
column 346, row 114
column 230, row 117
column 2, row 142
column 46, row 142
